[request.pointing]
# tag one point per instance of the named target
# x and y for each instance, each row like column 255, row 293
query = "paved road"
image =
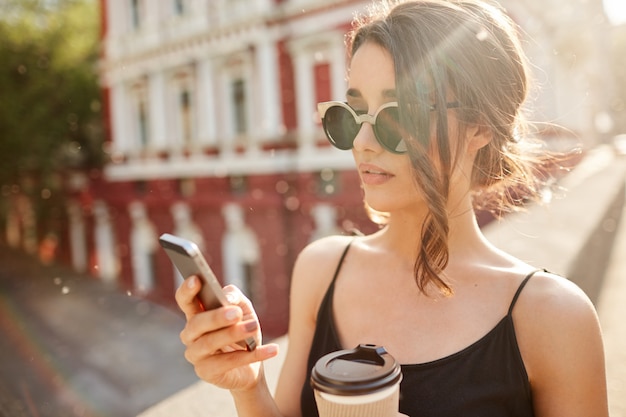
column 72, row 347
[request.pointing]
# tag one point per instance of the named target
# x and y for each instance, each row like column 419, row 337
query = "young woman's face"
column 385, row 177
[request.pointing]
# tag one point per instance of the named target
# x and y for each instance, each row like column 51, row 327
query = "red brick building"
column 213, row 135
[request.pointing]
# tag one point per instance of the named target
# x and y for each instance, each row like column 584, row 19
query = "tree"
column 49, row 93
column 50, row 119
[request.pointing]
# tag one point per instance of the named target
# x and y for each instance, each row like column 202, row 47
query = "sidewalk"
column 71, row 346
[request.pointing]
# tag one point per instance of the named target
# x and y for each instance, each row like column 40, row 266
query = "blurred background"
column 124, row 119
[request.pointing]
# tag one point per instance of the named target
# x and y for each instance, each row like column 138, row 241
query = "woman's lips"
column 373, row 175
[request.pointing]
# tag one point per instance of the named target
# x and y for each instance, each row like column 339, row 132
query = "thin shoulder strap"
column 521, row 287
column 343, row 255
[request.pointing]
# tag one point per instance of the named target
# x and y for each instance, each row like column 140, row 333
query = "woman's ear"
column 478, row 135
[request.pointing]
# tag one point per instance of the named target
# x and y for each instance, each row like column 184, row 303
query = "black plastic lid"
column 359, row 371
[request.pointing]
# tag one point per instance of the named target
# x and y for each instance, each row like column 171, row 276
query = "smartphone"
column 187, row 258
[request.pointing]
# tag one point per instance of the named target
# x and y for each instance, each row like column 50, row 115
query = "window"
column 240, row 107
column 181, row 106
column 179, row 7
column 135, row 14
column 139, row 116
column 185, row 115
column 142, row 123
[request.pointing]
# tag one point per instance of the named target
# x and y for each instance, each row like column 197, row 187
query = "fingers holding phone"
column 212, row 337
column 249, row 317
column 226, row 326
column 222, row 330
column 216, row 331
column 186, row 297
column 189, row 261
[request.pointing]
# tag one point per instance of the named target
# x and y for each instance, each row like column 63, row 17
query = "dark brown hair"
column 469, row 49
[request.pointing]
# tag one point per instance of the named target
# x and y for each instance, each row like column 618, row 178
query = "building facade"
column 214, row 137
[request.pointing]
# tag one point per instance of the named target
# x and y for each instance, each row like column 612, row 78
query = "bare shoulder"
column 554, row 299
column 560, row 340
column 317, row 262
column 313, row 271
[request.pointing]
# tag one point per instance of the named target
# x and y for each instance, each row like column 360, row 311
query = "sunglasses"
column 341, row 124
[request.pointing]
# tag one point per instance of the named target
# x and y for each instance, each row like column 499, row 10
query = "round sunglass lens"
column 389, row 131
column 340, row 127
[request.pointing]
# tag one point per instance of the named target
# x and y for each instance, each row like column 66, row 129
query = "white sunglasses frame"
column 359, row 119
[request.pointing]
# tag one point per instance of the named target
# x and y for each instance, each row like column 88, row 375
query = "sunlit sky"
column 616, row 10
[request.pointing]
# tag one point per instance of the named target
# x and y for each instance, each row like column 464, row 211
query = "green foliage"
column 49, row 93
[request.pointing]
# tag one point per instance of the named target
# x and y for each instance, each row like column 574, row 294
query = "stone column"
column 268, row 117
column 305, row 99
column 157, row 114
column 122, row 135
column 206, row 95
column 338, row 71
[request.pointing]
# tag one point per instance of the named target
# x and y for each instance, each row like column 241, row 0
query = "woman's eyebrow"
column 353, row 93
column 387, row 93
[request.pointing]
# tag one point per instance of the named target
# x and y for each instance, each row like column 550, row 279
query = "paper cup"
column 361, row 382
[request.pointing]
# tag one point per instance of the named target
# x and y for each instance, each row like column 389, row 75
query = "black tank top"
column 486, row 379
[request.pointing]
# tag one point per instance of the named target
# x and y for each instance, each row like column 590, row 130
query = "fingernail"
column 191, row 282
column 271, row 349
column 251, row 326
column 230, row 314
column 231, row 298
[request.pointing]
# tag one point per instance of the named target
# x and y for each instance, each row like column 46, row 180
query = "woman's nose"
column 365, row 139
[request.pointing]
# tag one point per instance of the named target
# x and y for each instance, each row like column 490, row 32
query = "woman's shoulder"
column 314, row 270
column 550, row 295
column 560, row 341
column 555, row 323
column 320, row 258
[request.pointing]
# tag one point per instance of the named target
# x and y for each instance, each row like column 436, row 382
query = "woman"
column 433, row 121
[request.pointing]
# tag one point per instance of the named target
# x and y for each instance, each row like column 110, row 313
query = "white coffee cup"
column 360, row 382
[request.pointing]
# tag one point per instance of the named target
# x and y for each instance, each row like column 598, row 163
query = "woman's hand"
column 211, row 338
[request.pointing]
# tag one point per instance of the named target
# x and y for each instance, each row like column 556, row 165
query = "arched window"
column 106, row 254
column 143, row 245
column 182, row 108
column 140, row 122
column 241, row 252
column 239, row 100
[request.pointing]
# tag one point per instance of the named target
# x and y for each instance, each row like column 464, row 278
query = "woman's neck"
column 404, row 229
